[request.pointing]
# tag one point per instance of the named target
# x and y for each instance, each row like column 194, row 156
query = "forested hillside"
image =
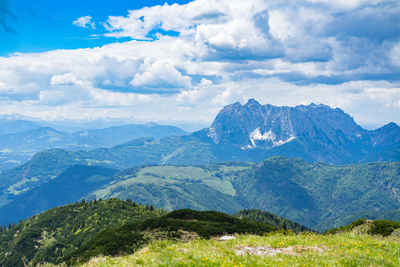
column 58, row 232
column 316, row 195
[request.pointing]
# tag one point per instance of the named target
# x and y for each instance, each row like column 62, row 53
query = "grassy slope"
column 353, row 245
column 80, row 231
column 345, row 249
column 43, row 167
column 68, row 187
column 174, row 187
column 86, row 230
column 178, row 225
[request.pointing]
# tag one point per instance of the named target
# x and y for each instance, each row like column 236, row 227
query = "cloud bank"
column 185, row 62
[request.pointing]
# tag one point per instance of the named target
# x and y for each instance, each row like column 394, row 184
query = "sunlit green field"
column 216, row 177
column 307, row 249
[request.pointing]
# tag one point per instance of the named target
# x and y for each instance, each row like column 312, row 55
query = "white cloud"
column 280, row 25
column 343, row 4
column 65, row 79
column 388, row 97
column 85, row 22
column 160, row 74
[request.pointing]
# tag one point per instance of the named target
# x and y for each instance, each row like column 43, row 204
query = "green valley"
column 316, row 195
column 310, row 194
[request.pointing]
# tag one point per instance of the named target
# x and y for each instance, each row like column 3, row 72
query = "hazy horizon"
column 99, row 123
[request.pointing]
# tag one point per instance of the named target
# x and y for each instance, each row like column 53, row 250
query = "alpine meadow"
column 199, row 133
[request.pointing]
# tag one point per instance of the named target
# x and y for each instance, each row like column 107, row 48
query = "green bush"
column 347, row 228
column 383, row 227
column 271, row 219
column 378, row 227
column 110, row 242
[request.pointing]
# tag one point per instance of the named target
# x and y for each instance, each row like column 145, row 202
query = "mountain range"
column 21, row 139
column 239, row 133
column 250, row 132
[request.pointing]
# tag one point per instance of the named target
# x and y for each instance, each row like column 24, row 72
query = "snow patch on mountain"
column 267, row 136
column 212, row 134
column 256, row 135
column 282, row 142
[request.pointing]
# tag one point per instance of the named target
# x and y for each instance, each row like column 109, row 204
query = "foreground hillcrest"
column 319, row 131
column 77, row 232
column 97, row 231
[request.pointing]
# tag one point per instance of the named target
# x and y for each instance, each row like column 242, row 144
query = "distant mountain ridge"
column 250, row 132
column 324, row 134
column 20, row 140
column 9, row 126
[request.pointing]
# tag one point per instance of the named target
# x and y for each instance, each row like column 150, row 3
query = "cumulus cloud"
column 85, row 22
column 64, row 79
column 189, row 60
column 159, row 74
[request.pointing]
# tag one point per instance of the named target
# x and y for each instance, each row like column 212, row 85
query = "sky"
column 181, row 61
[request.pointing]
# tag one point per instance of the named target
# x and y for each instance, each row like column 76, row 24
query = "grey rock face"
column 327, row 134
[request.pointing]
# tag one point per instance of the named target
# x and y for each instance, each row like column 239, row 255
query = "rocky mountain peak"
column 314, row 132
column 252, row 103
column 390, row 126
column 254, row 125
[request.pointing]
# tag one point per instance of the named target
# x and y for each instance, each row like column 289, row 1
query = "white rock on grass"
column 226, row 237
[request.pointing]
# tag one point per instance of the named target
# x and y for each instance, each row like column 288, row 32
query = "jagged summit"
column 252, row 101
column 264, row 126
column 317, row 128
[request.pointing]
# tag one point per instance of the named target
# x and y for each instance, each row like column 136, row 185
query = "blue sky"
column 181, row 61
column 43, row 25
